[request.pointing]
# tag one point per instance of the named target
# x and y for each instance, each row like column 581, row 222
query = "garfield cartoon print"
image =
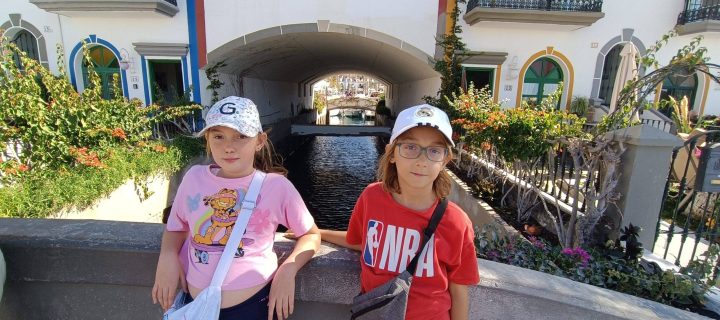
column 223, row 216
column 214, row 228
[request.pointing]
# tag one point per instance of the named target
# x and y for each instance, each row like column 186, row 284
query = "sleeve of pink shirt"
column 176, row 219
column 296, row 215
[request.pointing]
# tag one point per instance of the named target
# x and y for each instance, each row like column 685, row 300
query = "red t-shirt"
column 390, row 234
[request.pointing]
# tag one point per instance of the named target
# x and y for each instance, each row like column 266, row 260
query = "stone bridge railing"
column 91, row 269
column 353, row 102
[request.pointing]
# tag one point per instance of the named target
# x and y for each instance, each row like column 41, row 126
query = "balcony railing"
column 710, row 10
column 568, row 14
column 545, row 5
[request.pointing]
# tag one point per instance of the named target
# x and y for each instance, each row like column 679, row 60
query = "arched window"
column 610, row 67
column 106, row 65
column 542, row 78
column 680, row 84
column 26, row 42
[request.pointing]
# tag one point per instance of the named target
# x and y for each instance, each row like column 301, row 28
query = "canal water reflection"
column 331, row 171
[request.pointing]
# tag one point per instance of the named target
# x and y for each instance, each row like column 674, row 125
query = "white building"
column 522, row 52
column 274, row 51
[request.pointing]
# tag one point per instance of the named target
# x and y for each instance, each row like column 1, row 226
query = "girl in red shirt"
column 390, row 216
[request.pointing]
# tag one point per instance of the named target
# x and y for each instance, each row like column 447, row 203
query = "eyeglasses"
column 413, row 151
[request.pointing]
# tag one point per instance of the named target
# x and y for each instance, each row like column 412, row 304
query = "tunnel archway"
column 280, row 64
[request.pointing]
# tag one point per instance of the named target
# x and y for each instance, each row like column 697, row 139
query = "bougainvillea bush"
column 49, row 131
column 521, row 133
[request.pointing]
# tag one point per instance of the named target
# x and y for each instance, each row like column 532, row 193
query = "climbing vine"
column 449, row 67
column 212, row 74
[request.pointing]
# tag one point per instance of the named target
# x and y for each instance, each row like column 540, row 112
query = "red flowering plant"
column 11, row 170
column 86, row 158
column 57, row 127
column 521, row 133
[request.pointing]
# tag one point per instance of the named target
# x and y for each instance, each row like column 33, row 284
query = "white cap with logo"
column 236, row 113
column 422, row 115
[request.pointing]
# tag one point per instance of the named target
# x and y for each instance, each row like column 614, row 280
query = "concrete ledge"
column 71, row 7
column 161, row 49
column 81, row 269
column 698, row 27
column 127, row 204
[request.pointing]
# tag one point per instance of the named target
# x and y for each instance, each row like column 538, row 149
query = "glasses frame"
column 422, row 150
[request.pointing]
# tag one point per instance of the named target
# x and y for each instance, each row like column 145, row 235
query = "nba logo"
column 372, row 242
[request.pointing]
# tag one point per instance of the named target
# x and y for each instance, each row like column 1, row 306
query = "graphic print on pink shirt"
column 212, row 231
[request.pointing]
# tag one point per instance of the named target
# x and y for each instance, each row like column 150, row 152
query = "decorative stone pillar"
column 643, row 171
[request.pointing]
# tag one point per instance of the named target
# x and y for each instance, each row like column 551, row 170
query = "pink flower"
column 537, row 243
column 580, row 253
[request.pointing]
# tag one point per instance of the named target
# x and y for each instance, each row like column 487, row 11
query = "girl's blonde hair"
column 387, row 173
column 266, row 160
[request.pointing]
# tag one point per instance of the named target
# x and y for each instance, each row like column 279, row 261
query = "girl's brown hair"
column 266, row 160
column 387, row 174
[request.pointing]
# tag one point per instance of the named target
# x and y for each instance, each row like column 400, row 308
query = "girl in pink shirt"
column 203, row 215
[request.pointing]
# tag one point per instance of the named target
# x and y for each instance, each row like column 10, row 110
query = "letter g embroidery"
column 228, row 110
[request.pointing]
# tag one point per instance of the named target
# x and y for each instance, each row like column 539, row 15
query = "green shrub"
column 58, row 127
column 579, row 106
column 75, row 148
column 381, row 109
column 518, row 133
column 42, row 193
column 319, row 102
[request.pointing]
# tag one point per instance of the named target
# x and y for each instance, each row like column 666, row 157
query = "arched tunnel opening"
column 277, row 67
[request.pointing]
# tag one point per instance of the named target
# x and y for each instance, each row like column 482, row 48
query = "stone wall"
column 84, row 269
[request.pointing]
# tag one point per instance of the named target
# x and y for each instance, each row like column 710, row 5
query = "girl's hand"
column 282, row 292
column 289, row 234
column 167, row 276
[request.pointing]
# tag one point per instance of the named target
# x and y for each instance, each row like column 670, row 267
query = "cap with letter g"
column 422, row 115
column 236, row 113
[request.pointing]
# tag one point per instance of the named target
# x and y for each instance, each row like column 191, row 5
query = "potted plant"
column 581, row 107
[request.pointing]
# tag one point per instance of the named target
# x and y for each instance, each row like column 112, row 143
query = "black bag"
column 389, row 300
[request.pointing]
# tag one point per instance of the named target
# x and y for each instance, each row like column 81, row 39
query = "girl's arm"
column 282, row 290
column 460, row 301
column 332, row 236
column 338, row 238
column 169, row 271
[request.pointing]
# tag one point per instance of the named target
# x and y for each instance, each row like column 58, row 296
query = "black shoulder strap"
column 427, row 234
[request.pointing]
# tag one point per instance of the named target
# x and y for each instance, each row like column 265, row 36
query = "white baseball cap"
column 236, row 113
column 422, row 115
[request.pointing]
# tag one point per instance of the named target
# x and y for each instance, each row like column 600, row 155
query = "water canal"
column 330, row 172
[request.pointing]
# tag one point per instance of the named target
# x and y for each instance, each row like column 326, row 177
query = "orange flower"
column 90, row 159
column 119, row 133
column 159, row 148
column 23, row 168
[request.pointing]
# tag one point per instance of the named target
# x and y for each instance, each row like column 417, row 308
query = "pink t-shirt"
column 207, row 206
